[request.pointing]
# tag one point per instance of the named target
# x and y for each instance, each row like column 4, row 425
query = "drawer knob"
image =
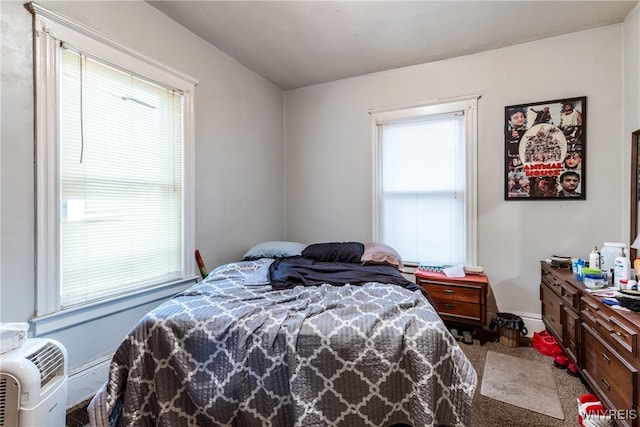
column 606, row 359
column 450, row 306
column 606, row 384
column 620, row 334
column 449, row 292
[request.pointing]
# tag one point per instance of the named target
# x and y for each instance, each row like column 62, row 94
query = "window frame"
column 466, row 104
column 50, row 30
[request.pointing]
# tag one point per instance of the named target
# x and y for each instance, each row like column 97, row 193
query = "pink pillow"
column 379, row 253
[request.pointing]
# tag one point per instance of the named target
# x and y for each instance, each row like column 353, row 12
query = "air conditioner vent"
column 3, row 399
column 50, row 362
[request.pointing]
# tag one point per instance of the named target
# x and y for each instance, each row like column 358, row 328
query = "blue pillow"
column 274, row 249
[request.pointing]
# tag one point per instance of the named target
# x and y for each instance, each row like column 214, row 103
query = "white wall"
column 329, row 153
column 239, row 153
column 631, row 72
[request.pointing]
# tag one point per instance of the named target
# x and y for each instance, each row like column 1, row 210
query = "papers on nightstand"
column 454, row 271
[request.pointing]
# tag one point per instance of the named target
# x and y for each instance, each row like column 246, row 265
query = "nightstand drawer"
column 457, row 309
column 458, row 300
column 453, row 292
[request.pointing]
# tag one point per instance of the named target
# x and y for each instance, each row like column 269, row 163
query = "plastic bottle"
column 624, row 284
column 636, row 264
column 594, row 258
column 620, row 270
column 580, row 267
column 608, row 254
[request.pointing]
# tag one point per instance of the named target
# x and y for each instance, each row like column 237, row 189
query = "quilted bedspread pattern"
column 231, row 351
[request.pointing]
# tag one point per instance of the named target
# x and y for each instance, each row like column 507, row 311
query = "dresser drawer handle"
column 450, row 306
column 449, row 292
column 606, row 359
column 606, row 384
column 620, row 334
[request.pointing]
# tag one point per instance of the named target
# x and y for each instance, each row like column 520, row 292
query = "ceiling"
column 301, row 43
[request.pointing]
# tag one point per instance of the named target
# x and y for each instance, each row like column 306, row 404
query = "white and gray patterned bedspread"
column 231, row 351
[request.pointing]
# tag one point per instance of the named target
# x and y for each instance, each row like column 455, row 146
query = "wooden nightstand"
column 458, row 300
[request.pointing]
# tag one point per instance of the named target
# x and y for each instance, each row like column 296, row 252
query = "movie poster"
column 545, row 150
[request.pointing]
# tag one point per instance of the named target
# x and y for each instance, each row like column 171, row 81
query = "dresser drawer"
column 453, row 292
column 549, row 279
column 607, row 371
column 613, row 329
column 589, row 311
column 552, row 311
column 570, row 296
column 625, row 336
column 571, row 331
column 459, row 310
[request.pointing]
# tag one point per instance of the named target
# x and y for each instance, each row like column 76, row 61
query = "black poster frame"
column 545, row 150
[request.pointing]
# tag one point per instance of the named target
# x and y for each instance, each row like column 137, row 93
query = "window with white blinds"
column 121, row 181
column 115, row 207
column 425, row 184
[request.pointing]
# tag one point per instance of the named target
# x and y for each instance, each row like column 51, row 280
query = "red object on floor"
column 537, row 336
column 590, row 407
column 594, row 415
column 546, row 344
column 561, row 361
column 572, row 370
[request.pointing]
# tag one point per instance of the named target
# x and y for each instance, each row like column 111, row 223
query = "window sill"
column 65, row 319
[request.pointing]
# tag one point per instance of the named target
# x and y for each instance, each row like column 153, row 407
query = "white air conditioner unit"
column 33, row 385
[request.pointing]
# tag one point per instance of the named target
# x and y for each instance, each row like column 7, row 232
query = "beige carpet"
column 524, row 383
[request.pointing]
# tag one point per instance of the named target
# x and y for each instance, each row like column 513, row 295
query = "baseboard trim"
column 85, row 380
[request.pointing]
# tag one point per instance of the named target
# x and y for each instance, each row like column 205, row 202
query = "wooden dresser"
column 458, row 300
column 600, row 341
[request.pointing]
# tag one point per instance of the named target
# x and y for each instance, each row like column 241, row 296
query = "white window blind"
column 422, row 209
column 425, row 184
column 121, row 186
column 115, row 202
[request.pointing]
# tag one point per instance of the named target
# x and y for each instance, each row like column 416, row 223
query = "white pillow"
column 274, row 249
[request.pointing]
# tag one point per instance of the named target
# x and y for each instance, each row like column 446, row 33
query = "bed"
column 291, row 339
